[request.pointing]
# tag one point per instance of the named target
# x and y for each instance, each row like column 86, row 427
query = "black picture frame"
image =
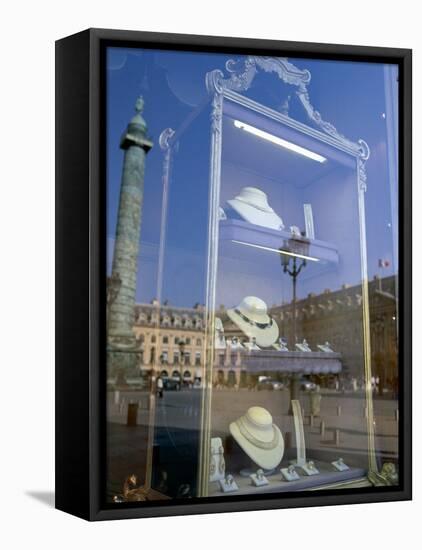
column 81, row 285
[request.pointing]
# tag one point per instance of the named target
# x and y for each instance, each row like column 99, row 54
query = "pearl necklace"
column 256, row 442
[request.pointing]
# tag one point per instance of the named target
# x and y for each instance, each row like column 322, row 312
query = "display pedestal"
column 327, row 476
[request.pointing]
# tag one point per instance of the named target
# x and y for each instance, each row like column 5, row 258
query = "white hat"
column 252, row 205
column 252, row 319
column 261, row 440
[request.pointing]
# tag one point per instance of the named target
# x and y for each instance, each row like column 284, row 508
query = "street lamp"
column 292, row 260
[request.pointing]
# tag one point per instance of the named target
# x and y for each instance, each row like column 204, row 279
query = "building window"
column 176, row 339
column 176, row 358
column 153, row 339
column 165, row 339
column 198, row 342
column 221, row 359
column 198, row 359
column 187, row 342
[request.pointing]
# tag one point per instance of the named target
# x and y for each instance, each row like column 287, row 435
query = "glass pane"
column 252, row 275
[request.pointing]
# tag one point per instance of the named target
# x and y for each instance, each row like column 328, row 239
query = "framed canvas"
column 233, row 274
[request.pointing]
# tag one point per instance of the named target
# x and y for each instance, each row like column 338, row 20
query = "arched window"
column 231, row 378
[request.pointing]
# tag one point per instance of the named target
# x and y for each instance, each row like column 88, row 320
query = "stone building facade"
column 171, row 339
column 336, row 317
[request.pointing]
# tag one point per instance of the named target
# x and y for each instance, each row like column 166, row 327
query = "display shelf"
column 244, row 233
column 327, row 476
column 311, row 362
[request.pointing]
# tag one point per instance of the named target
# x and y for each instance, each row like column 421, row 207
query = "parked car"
column 269, row 384
column 307, row 385
column 172, row 384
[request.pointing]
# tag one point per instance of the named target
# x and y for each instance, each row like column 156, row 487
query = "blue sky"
column 349, row 95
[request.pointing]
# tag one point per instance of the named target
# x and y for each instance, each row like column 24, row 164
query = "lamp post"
column 182, row 358
column 292, row 261
column 294, row 271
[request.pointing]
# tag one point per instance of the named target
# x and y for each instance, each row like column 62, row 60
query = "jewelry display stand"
column 251, row 204
column 251, row 345
column 327, row 475
column 228, row 484
column 340, row 465
column 217, row 462
column 220, row 340
column 310, row 469
column 258, row 479
column 252, row 318
column 247, row 472
column 289, row 473
column 300, row 434
column 260, row 439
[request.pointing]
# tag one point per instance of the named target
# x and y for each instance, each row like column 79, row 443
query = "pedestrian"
column 160, row 387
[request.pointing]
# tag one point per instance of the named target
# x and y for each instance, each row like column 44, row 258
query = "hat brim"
column 264, row 458
column 264, row 337
column 256, row 216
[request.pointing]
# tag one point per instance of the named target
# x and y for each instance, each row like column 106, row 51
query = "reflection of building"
column 336, row 317
column 171, row 338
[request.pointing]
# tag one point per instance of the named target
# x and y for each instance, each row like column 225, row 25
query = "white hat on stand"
column 253, row 320
column 252, row 205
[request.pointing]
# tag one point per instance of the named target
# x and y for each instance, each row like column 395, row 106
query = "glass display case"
column 266, row 361
column 233, row 274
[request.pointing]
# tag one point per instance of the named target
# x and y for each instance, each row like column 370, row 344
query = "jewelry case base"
column 325, row 478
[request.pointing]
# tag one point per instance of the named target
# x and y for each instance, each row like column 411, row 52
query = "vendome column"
column 123, row 352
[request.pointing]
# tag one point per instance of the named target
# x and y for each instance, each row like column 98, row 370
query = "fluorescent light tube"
column 302, row 256
column 279, row 141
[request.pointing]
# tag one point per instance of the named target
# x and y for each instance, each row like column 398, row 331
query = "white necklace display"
column 253, row 320
column 251, row 204
column 241, row 424
column 259, row 438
